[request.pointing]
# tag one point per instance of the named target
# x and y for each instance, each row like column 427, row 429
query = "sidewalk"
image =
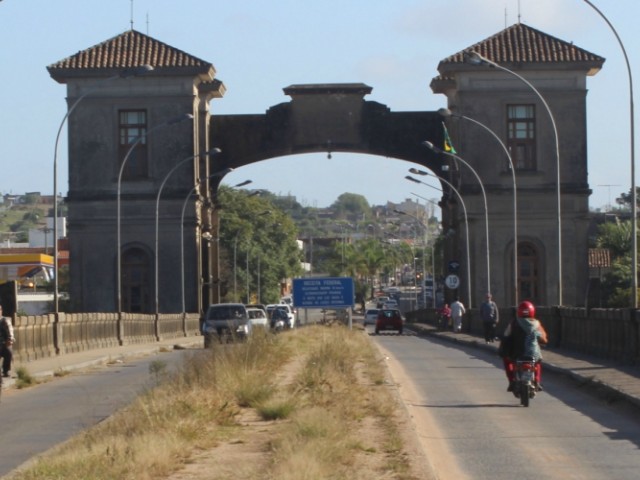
column 610, row 379
column 49, row 366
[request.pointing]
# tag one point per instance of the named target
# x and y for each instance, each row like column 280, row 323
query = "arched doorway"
column 529, row 272
column 136, row 280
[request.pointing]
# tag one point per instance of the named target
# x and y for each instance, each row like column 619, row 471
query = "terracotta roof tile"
column 599, row 257
column 523, row 44
column 129, row 49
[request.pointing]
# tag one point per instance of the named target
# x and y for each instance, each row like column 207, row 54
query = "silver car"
column 370, row 316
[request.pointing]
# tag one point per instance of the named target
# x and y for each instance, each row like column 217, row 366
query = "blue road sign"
column 324, row 292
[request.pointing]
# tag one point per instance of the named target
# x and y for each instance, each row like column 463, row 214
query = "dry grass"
column 313, row 421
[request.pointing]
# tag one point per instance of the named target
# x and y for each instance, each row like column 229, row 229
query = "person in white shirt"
column 457, row 311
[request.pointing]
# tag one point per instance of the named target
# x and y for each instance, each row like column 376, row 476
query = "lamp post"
column 634, row 195
column 466, row 219
column 445, row 112
column 213, row 151
column 129, row 72
column 475, row 58
column 431, row 146
column 425, row 229
column 433, row 252
column 171, row 121
column 221, row 173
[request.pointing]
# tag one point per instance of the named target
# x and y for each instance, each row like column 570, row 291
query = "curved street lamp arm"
column 431, row 146
column 124, row 74
column 445, row 112
column 476, row 59
column 634, row 195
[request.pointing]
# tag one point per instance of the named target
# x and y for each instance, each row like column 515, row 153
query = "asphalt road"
column 40, row 417
column 472, row 428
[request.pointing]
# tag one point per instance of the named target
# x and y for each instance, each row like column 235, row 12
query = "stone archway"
column 322, row 118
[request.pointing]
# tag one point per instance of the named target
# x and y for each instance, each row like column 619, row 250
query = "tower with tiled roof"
column 510, row 108
column 117, row 111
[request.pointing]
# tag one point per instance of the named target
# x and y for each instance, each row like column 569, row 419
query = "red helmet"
column 526, row 310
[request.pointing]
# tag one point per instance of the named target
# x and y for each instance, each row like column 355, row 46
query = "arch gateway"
column 114, row 121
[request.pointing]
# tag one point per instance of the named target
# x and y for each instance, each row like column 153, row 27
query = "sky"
column 259, row 47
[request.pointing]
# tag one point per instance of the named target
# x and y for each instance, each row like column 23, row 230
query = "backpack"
column 4, row 330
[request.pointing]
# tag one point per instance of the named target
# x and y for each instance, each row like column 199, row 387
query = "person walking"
column 457, row 311
column 6, row 342
column 444, row 317
column 490, row 317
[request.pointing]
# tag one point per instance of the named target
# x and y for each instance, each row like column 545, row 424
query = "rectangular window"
column 521, row 136
column 132, row 127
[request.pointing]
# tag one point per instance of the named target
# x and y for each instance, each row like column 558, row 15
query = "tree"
column 624, row 200
column 616, row 285
column 351, row 205
column 254, row 229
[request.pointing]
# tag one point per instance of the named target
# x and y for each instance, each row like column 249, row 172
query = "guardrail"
column 606, row 333
column 40, row 336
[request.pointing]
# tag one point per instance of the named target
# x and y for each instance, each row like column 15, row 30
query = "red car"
column 389, row 319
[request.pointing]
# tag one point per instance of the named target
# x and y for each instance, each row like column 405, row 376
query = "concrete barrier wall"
column 40, row 336
column 607, row 333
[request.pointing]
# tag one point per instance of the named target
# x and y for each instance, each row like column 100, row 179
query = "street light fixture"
column 211, row 152
column 474, row 58
column 445, row 112
column 126, row 73
column 172, row 121
column 432, row 147
column 425, row 229
column 634, row 195
column 464, row 211
column 433, row 256
column 221, row 173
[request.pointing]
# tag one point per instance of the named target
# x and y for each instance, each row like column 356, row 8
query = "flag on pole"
column 448, row 146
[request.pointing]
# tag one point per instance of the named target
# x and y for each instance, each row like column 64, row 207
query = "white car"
column 370, row 316
column 390, row 304
column 257, row 318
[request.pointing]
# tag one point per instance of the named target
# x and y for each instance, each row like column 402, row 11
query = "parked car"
column 370, row 316
column 224, row 319
column 389, row 319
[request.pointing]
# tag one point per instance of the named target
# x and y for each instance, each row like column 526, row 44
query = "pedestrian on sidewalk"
column 490, row 317
column 457, row 311
column 444, row 317
column 6, row 342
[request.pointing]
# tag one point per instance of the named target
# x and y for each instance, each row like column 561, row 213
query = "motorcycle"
column 525, row 387
column 278, row 323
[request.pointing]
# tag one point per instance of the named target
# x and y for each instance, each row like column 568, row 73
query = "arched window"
column 136, row 281
column 528, row 276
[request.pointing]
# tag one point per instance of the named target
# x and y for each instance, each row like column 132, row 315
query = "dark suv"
column 224, row 319
column 389, row 319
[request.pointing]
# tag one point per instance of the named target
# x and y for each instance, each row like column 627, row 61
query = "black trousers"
column 7, row 356
column 489, row 331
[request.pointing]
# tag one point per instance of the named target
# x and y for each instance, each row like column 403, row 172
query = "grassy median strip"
column 317, row 418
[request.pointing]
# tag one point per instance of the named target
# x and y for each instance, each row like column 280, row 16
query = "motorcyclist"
column 521, row 338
